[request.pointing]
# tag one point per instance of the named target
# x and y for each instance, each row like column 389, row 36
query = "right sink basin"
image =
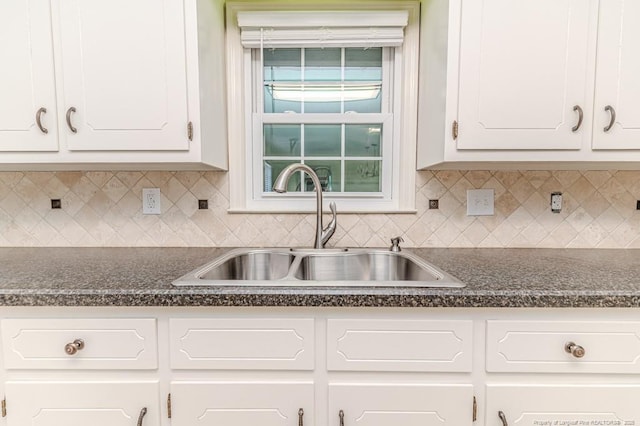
column 372, row 268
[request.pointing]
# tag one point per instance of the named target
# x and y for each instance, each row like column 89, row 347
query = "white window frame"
column 245, row 168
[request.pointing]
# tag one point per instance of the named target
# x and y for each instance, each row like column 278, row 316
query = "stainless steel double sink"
column 318, row 267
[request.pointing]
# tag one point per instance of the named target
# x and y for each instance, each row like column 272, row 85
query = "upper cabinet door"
column 523, row 70
column 123, row 69
column 617, row 82
column 26, row 77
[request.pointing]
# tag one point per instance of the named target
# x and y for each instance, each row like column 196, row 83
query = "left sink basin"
column 251, row 265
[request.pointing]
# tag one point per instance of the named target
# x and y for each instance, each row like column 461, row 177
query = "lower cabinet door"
column 400, row 404
column 46, row 403
column 242, row 403
column 563, row 405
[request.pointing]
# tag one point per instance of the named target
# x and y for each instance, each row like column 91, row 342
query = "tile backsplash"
column 103, row 209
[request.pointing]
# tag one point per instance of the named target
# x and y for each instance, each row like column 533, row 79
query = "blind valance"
column 272, row 29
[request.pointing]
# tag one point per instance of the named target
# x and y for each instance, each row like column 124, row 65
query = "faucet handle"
column 328, row 231
column 395, row 244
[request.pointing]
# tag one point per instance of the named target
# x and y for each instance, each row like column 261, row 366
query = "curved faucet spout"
column 280, row 185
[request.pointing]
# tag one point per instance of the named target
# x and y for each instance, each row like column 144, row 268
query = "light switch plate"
column 480, row 202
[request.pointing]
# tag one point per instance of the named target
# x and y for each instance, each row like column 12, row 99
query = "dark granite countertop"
column 493, row 277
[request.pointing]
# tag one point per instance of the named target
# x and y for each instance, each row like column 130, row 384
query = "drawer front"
column 107, row 343
column 540, row 346
column 242, row 343
column 399, row 345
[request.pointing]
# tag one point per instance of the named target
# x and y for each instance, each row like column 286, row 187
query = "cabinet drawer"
column 399, row 345
column 108, row 343
column 242, row 343
column 539, row 346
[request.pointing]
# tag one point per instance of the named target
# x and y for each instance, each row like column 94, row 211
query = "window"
column 326, row 93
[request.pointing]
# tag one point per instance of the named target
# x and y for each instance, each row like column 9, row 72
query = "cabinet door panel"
column 241, row 403
column 617, row 70
column 124, row 72
column 26, row 76
column 41, row 403
column 548, row 405
column 395, row 404
column 523, row 68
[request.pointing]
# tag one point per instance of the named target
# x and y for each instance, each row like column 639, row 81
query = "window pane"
column 322, row 64
column 322, row 140
column 281, row 140
column 322, row 98
column 364, row 101
column 328, row 172
column 362, row 176
column 363, row 64
column 281, row 66
column 363, row 140
column 272, row 169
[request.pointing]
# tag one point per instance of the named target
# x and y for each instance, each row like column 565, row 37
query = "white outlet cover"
column 480, row 202
column 150, row 200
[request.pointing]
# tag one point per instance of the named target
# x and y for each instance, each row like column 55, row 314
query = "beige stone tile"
column 567, row 177
column 462, row 242
column 448, row 204
column 115, row 189
column 579, row 219
column 173, row 189
column 27, row 190
column 504, row 233
column 433, row 189
column 507, row 177
column 534, row 233
column 549, row 186
column 71, row 179
column 423, row 177
column 18, row 236
column 375, row 221
column 609, row 219
column 597, row 177
column 130, row 204
column 563, row 234
column 536, row 178
column 99, row 178
column 506, row 204
column 202, row 189
column 522, row 190
column 361, row 233
column 459, row 190
column 84, row 188
column 405, row 220
column 447, row 233
column 390, row 230
column 581, row 189
column 536, row 205
column 11, row 178
column 520, row 219
column 128, row 178
column 418, row 233
column 498, row 188
column 448, row 177
column 490, row 242
column 188, row 204
column 475, row 233
column 189, row 178
column 630, row 180
column 460, row 219
column 596, row 204
column 432, row 220
column 159, row 178
column 478, row 178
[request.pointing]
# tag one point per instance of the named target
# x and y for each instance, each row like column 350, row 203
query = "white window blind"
column 279, row 29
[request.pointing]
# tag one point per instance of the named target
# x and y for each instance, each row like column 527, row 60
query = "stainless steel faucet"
column 280, row 185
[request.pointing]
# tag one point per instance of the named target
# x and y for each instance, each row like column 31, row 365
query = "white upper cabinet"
column 548, row 83
column 617, row 97
column 26, row 77
column 523, row 70
column 122, row 82
column 124, row 75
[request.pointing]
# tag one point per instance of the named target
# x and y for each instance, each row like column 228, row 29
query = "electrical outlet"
column 150, row 200
column 556, row 202
column 480, row 202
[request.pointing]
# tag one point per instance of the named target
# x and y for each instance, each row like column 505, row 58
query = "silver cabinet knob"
column 73, row 347
column 575, row 350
